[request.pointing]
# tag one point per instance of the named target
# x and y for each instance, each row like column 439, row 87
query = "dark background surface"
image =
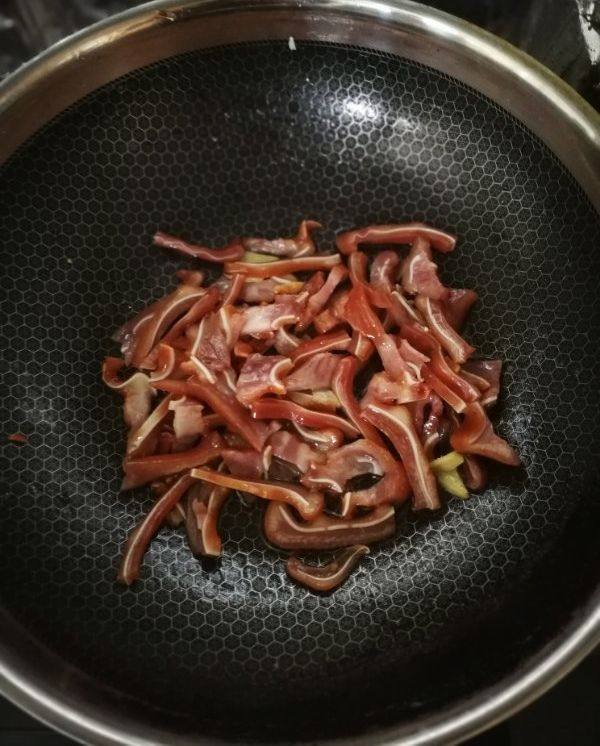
column 563, row 34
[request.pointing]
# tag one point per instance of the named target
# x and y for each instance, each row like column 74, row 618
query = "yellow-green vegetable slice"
column 447, row 462
column 452, row 483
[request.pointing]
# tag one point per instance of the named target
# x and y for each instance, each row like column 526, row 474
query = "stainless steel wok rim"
column 577, row 119
column 450, row 726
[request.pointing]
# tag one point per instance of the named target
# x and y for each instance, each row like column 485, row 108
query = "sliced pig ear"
column 402, row 233
column 138, row 398
column 448, row 373
column 476, row 436
column 261, row 375
column 284, row 266
column 244, row 462
column 327, row 577
column 357, row 269
column 136, row 391
column 304, row 237
column 473, row 473
column 343, row 388
column 282, row 409
column 396, row 422
column 356, row 459
column 360, row 314
column 457, row 306
column 284, row 530
column 314, row 373
column 139, row 335
column 443, row 390
column 285, row 342
column 307, row 502
column 289, row 448
column 384, row 271
column 190, row 277
column 143, row 440
column 382, row 388
column 325, row 321
column 196, row 313
column 188, row 418
column 222, row 403
column 363, row 320
column 324, row 440
column 487, row 377
column 335, row 340
column 433, row 313
column 272, row 247
column 317, row 300
column 161, row 362
column 419, row 273
column 263, row 321
column 361, row 347
column 143, row 469
column 229, row 253
column 203, row 507
column 301, row 245
column 142, row 535
column 323, row 400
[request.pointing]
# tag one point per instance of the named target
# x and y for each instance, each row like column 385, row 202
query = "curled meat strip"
column 406, row 233
column 327, row 577
column 284, row 530
column 308, row 503
column 475, row 435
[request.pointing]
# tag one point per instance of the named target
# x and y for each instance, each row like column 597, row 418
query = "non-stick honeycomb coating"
column 249, row 140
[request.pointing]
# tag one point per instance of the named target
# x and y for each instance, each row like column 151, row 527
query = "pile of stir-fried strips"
column 293, row 376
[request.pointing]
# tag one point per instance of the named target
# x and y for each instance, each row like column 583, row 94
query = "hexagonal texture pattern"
column 249, row 140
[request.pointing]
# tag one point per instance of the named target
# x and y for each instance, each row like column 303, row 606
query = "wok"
column 204, row 119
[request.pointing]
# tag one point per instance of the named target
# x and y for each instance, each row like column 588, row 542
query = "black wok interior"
column 249, row 140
